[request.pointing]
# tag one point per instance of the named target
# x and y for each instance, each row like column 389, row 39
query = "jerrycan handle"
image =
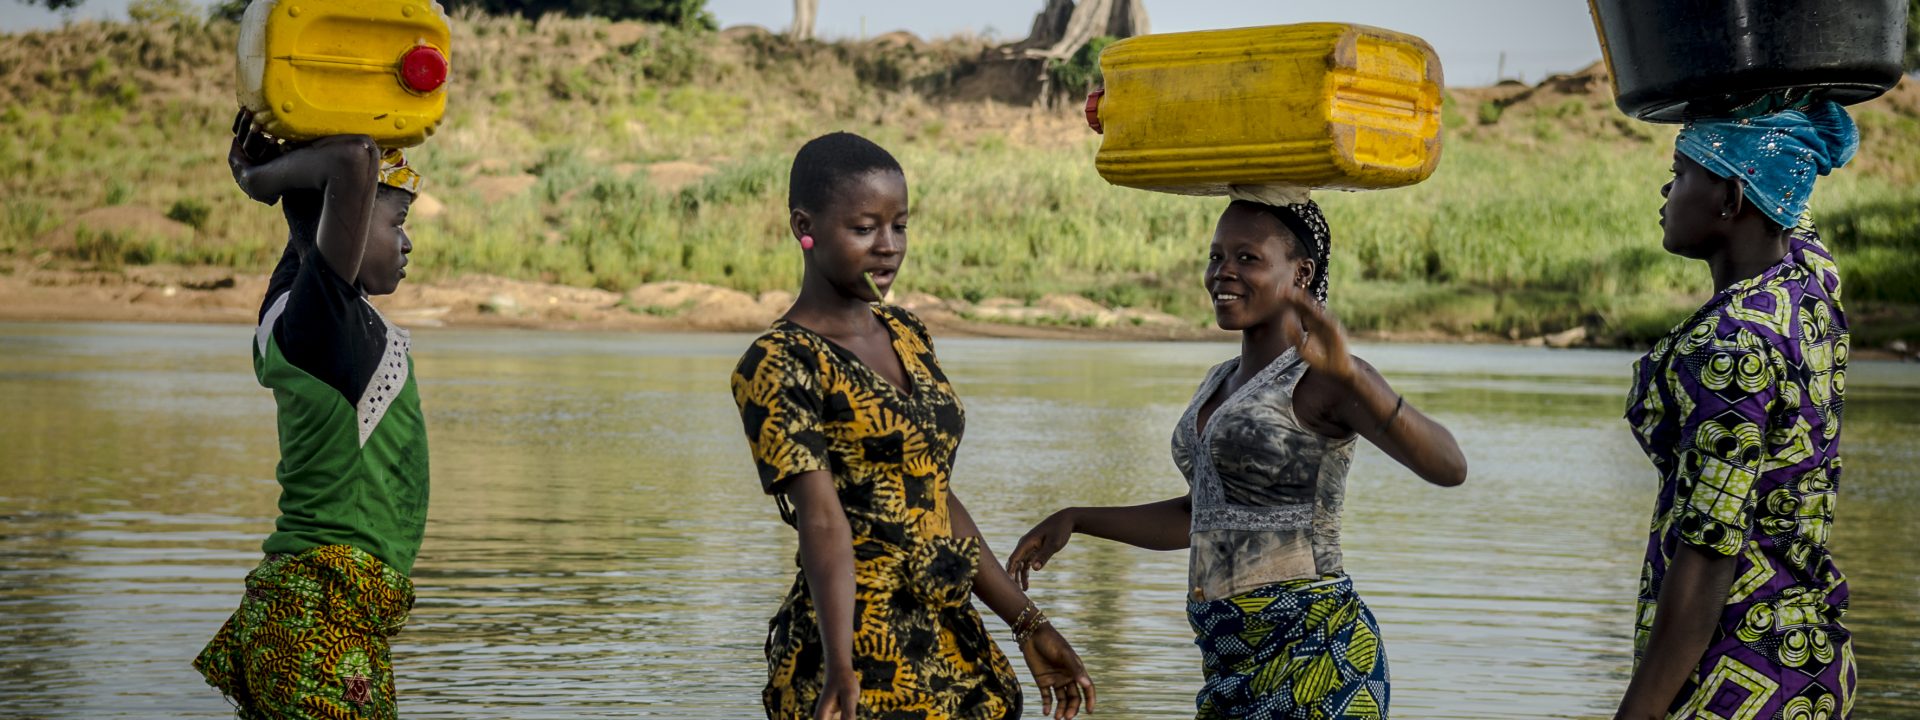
column 1093, row 110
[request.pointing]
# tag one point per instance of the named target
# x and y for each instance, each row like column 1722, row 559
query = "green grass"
column 1542, row 215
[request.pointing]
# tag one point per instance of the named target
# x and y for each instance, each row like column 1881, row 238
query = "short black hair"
column 825, row 163
column 388, row 192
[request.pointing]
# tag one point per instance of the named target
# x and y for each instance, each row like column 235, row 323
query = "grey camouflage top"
column 1266, row 490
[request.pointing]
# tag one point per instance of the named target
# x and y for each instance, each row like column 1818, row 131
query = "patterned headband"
column 394, row 172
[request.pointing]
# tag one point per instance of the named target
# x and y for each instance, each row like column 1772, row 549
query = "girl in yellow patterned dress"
column 853, row 428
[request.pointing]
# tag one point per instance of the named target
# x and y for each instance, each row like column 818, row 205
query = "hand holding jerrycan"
column 1291, row 107
column 313, row 68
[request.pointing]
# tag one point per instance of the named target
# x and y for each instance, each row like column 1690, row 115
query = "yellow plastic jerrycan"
column 311, row 68
column 1317, row 105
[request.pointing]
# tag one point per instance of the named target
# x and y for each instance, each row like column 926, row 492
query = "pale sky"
column 1538, row 37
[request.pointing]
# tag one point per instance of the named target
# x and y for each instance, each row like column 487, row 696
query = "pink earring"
column 806, row 242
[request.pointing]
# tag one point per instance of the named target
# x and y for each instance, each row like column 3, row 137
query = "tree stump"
column 1017, row 72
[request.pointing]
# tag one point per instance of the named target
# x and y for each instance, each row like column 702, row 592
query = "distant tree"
column 803, row 14
column 1066, row 26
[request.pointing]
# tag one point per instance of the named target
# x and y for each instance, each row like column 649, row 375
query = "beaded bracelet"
column 1022, row 634
column 1020, row 620
column 1024, row 628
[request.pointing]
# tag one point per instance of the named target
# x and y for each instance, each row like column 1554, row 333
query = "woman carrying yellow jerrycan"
column 1267, row 440
column 310, row 638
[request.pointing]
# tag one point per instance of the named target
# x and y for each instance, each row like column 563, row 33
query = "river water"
column 598, row 547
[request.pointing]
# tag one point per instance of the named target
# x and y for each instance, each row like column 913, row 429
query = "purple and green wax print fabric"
column 1739, row 410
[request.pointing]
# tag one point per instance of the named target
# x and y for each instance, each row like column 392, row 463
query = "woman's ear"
column 1303, row 273
column 1736, row 199
column 800, row 223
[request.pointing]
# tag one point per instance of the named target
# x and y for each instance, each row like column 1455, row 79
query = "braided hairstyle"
column 825, row 163
column 1311, row 238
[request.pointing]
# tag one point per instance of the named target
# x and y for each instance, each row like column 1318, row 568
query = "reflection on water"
column 598, row 547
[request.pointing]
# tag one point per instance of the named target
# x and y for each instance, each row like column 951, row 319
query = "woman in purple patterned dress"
column 1739, row 409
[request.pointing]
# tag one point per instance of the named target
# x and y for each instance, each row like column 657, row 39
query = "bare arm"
column 1163, row 525
column 1057, row 670
column 344, row 169
column 1370, row 407
column 1692, row 595
column 826, row 557
column 1410, row 437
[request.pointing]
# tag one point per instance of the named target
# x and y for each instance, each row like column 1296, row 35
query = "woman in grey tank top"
column 1265, row 447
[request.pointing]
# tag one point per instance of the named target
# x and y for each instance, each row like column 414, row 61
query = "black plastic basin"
column 1678, row 59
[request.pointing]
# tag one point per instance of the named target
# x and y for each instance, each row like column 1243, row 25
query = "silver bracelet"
column 1399, row 402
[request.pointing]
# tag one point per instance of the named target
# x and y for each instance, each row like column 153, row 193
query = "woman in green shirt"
column 310, row 637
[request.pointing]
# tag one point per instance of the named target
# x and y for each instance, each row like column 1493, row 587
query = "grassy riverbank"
column 609, row 155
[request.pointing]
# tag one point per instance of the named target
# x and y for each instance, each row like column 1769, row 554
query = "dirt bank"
column 210, row 295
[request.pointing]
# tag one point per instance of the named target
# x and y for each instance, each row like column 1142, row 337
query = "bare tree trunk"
column 803, row 12
column 1064, row 26
column 1129, row 19
column 1048, row 26
column 1018, row 72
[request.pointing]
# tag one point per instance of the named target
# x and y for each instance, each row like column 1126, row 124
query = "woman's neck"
column 1747, row 255
column 825, row 310
column 1261, row 344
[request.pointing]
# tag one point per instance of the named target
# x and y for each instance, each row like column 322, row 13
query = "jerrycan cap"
column 1093, row 110
column 423, row 69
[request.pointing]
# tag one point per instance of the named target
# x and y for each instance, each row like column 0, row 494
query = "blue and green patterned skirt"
column 1303, row 649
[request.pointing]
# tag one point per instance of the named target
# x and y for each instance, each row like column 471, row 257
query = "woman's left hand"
column 1057, row 670
column 1324, row 345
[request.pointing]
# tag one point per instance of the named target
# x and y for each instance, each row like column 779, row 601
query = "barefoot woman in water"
column 1265, row 447
column 853, row 427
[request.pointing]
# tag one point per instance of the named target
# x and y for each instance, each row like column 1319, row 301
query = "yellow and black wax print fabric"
column 310, row 638
column 919, row 646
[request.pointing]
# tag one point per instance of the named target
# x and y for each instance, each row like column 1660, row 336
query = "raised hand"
column 1039, row 545
column 1324, row 345
column 1064, row 686
column 241, row 158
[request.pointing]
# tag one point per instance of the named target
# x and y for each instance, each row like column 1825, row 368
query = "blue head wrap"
column 1775, row 157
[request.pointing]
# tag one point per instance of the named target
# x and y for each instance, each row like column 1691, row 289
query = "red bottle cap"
column 423, row 69
column 1093, row 110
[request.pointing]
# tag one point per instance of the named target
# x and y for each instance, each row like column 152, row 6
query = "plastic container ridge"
column 1319, row 105
column 311, row 68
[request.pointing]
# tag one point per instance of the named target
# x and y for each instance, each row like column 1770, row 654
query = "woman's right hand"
column 1039, row 544
column 241, row 163
column 839, row 696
